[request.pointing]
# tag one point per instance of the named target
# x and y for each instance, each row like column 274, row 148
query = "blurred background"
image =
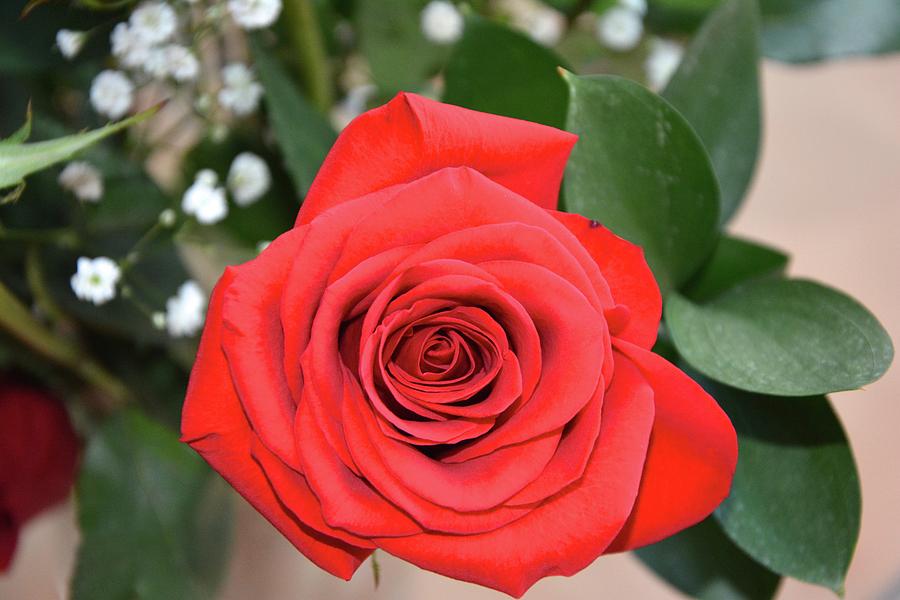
column 828, row 191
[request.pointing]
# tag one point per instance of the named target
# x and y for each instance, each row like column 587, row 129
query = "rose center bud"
column 439, row 378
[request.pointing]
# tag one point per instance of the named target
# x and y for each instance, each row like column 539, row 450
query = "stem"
column 306, row 38
column 134, row 255
column 16, row 319
column 34, row 273
column 61, row 237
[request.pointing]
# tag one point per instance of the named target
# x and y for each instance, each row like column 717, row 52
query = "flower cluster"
column 158, row 43
column 248, row 180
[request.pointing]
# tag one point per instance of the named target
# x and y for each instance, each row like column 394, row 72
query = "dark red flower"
column 436, row 362
column 38, row 458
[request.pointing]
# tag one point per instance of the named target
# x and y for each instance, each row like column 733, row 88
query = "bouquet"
column 453, row 283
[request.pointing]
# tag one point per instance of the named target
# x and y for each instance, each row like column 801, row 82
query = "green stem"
column 16, row 319
column 61, row 237
column 306, row 38
column 37, row 283
column 134, row 255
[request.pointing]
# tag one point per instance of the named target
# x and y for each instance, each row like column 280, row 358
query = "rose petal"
column 253, row 342
column 457, row 201
column 573, row 340
column 411, row 136
column 431, row 516
column 571, row 457
column 625, row 269
column 691, row 459
column 348, row 502
column 214, row 424
column 567, row 532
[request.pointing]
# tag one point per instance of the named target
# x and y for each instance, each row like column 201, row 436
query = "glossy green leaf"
column 795, row 500
column 154, row 519
column 781, row 337
column 303, row 134
column 391, row 39
column 702, row 562
column 734, row 261
column 640, row 169
column 802, row 30
column 19, row 160
column 810, row 30
column 716, row 88
column 497, row 70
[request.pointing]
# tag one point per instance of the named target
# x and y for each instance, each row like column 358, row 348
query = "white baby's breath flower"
column 158, row 319
column 184, row 66
column 70, row 42
column 83, row 180
column 662, row 61
column 167, row 217
column 129, row 48
column 546, row 26
column 638, row 6
column 254, row 14
column 248, row 178
column 441, row 21
column 156, row 64
column 185, row 310
column 95, row 280
column 112, row 93
column 353, row 105
column 204, row 199
column 240, row 91
column 173, row 61
column 620, row 28
column 154, row 22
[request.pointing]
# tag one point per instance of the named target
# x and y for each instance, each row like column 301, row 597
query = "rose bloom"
column 437, row 363
column 38, row 457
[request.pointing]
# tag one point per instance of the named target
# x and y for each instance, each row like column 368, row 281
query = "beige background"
column 827, row 190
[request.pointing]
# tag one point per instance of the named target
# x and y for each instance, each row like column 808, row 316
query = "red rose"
column 38, row 456
column 437, row 363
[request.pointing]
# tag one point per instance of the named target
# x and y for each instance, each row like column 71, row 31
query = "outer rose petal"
column 691, row 459
column 214, row 424
column 411, row 136
column 570, row 530
column 625, row 270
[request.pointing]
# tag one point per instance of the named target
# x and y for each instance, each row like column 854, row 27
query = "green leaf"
column 734, row 261
column 802, row 30
column 703, row 563
column 781, row 337
column 391, row 39
column 497, row 70
column 154, row 519
column 302, row 133
column 716, row 88
column 19, row 160
column 795, row 500
column 811, row 30
column 640, row 169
